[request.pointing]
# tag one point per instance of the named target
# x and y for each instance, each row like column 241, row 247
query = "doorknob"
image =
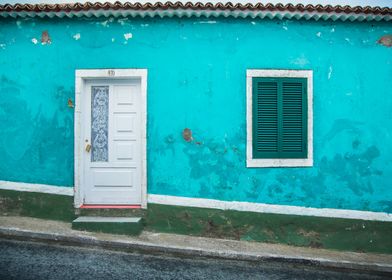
column 88, row 148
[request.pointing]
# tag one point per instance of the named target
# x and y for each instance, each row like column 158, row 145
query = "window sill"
column 292, row 162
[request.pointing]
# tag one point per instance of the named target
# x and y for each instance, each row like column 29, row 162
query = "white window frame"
column 278, row 162
column 81, row 77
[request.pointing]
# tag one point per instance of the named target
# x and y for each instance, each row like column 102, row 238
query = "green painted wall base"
column 38, row 205
column 115, row 225
column 329, row 233
column 318, row 232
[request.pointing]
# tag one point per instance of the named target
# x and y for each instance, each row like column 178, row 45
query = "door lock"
column 88, row 148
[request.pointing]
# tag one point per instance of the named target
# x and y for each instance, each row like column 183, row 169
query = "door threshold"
column 107, row 206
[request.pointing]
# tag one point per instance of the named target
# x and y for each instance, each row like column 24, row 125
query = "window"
column 279, row 118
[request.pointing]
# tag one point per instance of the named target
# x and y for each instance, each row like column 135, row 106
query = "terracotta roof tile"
column 383, row 13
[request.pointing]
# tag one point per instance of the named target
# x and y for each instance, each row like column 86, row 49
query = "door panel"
column 112, row 126
column 125, row 150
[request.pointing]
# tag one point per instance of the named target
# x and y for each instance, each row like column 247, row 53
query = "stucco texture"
column 197, row 80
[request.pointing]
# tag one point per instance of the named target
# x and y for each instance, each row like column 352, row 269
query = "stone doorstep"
column 109, row 212
column 116, row 225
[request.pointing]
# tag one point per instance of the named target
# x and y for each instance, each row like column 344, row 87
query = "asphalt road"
column 27, row 260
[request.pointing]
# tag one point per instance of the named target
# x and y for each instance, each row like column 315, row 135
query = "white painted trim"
column 268, row 208
column 81, row 76
column 218, row 204
column 144, row 136
column 38, row 188
column 274, row 73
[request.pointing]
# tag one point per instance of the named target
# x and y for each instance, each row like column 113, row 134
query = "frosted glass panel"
column 99, row 123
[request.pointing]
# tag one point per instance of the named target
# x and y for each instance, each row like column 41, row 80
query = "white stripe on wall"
column 218, row 204
column 26, row 187
column 268, row 208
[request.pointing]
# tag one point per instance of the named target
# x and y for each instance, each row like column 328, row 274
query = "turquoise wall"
column 196, row 79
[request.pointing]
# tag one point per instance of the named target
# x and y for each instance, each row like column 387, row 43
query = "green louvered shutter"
column 279, row 118
column 265, row 118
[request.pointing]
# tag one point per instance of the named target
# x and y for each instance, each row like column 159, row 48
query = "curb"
column 148, row 248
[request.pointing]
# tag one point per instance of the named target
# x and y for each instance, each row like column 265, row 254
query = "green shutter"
column 265, row 118
column 279, row 118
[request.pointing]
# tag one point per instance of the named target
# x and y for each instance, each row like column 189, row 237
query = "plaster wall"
column 197, row 80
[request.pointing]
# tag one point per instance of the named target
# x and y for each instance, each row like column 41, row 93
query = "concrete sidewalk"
column 23, row 228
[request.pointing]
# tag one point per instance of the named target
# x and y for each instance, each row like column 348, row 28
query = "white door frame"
column 83, row 75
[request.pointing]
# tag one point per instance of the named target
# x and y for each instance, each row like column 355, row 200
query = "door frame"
column 81, row 77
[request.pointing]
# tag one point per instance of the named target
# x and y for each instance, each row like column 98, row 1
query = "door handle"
column 88, row 148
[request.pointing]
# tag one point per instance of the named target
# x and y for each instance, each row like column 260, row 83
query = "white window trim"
column 83, row 75
column 269, row 73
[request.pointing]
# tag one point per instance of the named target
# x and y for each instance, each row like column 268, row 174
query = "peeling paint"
column 385, row 40
column 301, row 61
column 76, row 36
column 128, row 36
column 122, row 21
column 205, row 22
column 329, row 72
column 45, row 39
column 104, row 23
column 70, row 103
column 187, row 134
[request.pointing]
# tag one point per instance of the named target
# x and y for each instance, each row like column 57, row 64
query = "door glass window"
column 99, row 123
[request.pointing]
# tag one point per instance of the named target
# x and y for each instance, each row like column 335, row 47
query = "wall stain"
column 32, row 143
column 341, row 125
column 386, row 205
column 214, row 165
column 217, row 167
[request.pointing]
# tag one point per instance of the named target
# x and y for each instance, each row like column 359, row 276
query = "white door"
column 112, row 146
